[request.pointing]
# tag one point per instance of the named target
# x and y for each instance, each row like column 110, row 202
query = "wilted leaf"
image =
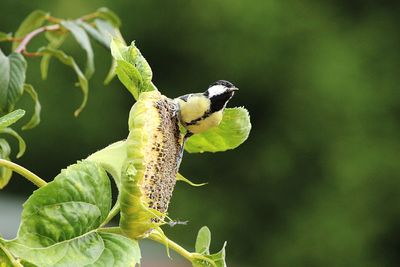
column 21, row 142
column 12, row 78
column 107, row 14
column 233, row 131
column 180, row 177
column 33, row 21
column 35, row 119
column 102, row 31
column 69, row 61
column 5, row 173
column 83, row 40
column 55, row 41
column 11, row 118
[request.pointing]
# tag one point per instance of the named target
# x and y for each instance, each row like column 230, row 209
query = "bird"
column 199, row 112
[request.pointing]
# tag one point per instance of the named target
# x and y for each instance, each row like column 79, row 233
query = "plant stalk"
column 171, row 244
column 22, row 46
column 39, row 182
column 114, row 211
column 14, row 262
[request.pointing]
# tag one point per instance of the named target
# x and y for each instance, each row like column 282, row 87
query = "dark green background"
column 317, row 182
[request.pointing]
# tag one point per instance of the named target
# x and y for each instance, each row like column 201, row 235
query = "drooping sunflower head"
column 153, row 152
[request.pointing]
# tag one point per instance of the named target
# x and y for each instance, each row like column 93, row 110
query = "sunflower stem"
column 39, row 182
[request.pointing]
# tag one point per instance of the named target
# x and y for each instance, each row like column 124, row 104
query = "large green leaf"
column 132, row 68
column 35, row 119
column 74, row 252
column 69, row 61
column 83, row 40
column 11, row 118
column 119, row 251
column 12, row 78
column 74, row 203
column 233, row 131
column 33, row 21
column 5, row 173
column 55, row 40
column 95, row 249
column 60, row 223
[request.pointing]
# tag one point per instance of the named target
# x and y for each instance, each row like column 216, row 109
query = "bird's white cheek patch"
column 216, row 90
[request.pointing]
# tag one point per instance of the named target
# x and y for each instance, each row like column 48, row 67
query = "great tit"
column 200, row 111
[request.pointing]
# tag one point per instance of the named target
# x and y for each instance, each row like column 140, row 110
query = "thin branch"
column 39, row 182
column 32, row 34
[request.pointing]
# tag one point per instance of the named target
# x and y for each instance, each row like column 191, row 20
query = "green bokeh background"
column 317, row 182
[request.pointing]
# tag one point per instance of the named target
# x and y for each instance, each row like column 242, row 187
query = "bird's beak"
column 233, row 89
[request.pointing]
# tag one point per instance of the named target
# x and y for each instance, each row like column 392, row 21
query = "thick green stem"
column 114, row 211
column 190, row 256
column 114, row 230
column 14, row 262
column 171, row 244
column 39, row 182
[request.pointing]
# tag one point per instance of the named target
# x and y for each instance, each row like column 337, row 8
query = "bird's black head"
column 219, row 94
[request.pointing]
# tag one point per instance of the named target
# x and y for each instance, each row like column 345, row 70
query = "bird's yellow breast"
column 193, row 108
column 207, row 123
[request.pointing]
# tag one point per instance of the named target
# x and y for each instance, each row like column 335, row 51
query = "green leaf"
column 132, row 68
column 69, row 61
column 202, row 247
column 107, row 14
column 5, row 173
column 12, row 78
column 75, row 202
column 233, row 131
column 180, row 177
column 35, row 119
column 21, row 142
column 203, row 241
column 55, row 41
column 5, row 36
column 11, row 118
column 90, row 250
column 33, row 21
column 119, row 251
column 83, row 40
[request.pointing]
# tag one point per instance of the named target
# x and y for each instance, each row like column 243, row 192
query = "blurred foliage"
column 317, row 183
